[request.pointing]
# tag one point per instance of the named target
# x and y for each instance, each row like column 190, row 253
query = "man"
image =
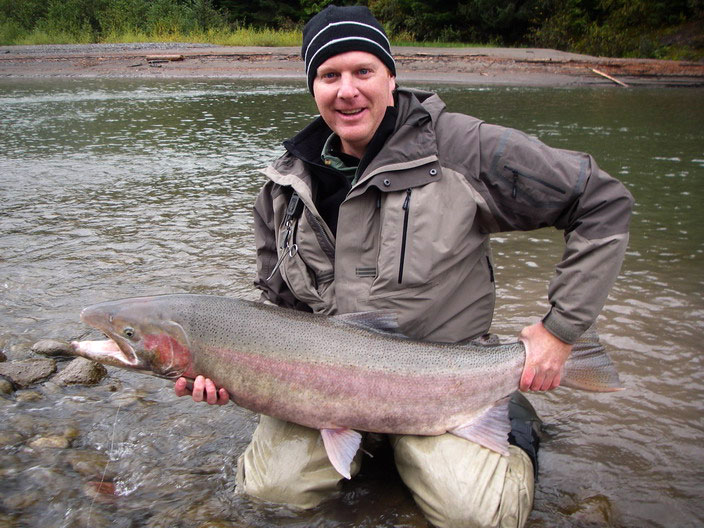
column 386, row 202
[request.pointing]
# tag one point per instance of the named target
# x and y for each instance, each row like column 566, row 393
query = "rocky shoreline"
column 487, row 66
column 46, row 365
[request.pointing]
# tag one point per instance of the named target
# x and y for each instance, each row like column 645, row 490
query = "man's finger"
column 181, row 387
column 211, row 393
column 198, row 386
column 223, row 397
column 526, row 378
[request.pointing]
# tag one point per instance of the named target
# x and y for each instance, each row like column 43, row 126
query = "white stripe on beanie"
column 342, row 40
column 305, row 57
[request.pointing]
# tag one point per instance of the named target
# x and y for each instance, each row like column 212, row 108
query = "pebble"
column 101, row 491
column 51, row 441
column 592, row 512
column 52, row 348
column 6, row 386
column 89, row 463
column 10, row 438
column 21, row 499
column 81, row 371
column 28, row 396
column 25, row 372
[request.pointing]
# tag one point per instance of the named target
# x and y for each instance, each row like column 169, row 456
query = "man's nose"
column 348, row 87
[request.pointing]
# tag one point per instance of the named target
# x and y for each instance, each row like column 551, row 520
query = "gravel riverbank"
column 489, row 66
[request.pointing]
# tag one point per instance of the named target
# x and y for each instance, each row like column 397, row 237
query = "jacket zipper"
column 517, row 173
column 404, row 235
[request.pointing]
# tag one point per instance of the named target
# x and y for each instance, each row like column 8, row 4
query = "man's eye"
column 329, row 75
column 364, row 71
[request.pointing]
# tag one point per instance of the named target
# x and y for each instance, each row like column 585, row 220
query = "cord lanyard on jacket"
column 293, row 211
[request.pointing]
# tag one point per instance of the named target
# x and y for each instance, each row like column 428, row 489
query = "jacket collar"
column 411, row 148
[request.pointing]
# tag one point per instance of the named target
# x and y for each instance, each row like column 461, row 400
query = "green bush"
column 644, row 28
column 612, row 27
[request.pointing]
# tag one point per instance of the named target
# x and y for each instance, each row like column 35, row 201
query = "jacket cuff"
column 561, row 328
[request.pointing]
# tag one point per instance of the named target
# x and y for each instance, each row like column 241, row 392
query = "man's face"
column 352, row 91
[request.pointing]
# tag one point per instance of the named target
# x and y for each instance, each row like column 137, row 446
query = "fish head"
column 142, row 335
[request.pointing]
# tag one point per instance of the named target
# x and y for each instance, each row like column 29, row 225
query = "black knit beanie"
column 337, row 30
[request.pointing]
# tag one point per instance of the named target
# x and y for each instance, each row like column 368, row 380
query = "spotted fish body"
column 337, row 374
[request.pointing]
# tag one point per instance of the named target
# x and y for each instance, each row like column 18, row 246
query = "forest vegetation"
column 671, row 29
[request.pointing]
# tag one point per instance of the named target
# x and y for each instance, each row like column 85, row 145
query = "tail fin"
column 589, row 367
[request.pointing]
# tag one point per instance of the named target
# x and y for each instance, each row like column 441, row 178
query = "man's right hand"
column 203, row 390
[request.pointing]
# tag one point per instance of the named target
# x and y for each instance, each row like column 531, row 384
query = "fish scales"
column 330, row 373
column 371, row 381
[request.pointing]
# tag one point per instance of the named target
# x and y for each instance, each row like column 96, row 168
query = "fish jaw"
column 107, row 352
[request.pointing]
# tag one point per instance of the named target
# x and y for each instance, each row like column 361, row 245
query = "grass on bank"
column 10, row 34
column 244, row 36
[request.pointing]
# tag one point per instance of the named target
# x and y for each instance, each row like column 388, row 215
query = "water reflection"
column 114, row 188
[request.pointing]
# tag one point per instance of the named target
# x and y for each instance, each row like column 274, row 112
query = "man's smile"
column 351, row 112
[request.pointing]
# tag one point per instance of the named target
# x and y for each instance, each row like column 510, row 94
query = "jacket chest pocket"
column 423, row 232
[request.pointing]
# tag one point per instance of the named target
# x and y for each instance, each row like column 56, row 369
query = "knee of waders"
column 526, row 427
column 501, row 498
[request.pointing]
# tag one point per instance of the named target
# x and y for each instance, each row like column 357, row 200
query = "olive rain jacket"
column 413, row 232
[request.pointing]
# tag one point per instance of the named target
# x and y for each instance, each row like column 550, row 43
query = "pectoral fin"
column 490, row 429
column 341, row 446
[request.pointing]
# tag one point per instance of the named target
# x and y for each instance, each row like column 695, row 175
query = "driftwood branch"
column 609, row 77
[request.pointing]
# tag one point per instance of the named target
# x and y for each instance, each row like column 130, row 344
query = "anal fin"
column 341, row 446
column 490, row 429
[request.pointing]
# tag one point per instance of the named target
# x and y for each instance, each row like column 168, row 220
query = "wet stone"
column 592, row 512
column 101, row 490
column 28, row 396
column 6, row 386
column 10, row 438
column 90, row 463
column 3, row 357
column 8, row 521
column 52, row 348
column 81, row 371
column 25, row 372
column 51, row 441
column 21, row 499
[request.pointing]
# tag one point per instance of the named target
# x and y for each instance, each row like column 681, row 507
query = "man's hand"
column 545, row 356
column 203, row 390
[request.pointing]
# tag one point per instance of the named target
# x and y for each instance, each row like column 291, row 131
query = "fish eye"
column 128, row 332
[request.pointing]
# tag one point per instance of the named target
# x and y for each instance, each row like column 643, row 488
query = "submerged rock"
column 50, row 441
column 28, row 396
column 52, row 348
column 592, row 512
column 90, row 463
column 24, row 373
column 81, row 371
column 6, row 385
column 101, row 491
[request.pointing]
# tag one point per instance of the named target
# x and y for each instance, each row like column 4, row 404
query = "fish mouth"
column 115, row 350
column 106, row 351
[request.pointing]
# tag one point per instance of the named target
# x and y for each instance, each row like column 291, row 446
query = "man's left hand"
column 545, row 356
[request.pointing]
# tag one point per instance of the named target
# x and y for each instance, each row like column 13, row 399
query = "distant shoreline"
column 469, row 66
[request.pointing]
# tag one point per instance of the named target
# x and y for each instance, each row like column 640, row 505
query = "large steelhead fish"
column 337, row 374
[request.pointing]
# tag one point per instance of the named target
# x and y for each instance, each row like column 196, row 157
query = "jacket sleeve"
column 274, row 289
column 528, row 185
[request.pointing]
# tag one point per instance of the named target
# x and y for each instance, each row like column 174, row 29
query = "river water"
column 117, row 188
